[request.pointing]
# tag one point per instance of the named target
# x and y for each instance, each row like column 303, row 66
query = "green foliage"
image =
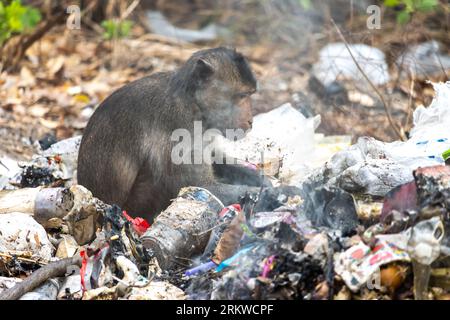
column 446, row 155
column 408, row 7
column 115, row 29
column 16, row 18
column 306, row 4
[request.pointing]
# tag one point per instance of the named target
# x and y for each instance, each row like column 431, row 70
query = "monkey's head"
column 221, row 85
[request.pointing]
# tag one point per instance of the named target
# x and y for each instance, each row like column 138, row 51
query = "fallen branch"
column 52, row 270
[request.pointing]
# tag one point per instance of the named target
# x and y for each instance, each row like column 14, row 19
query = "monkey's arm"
column 228, row 193
column 239, row 175
column 271, row 198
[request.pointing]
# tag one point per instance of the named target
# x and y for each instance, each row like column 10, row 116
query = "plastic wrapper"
column 358, row 264
column 419, row 244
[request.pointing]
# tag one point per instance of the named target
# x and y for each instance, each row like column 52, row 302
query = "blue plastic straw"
column 200, row 269
column 229, row 262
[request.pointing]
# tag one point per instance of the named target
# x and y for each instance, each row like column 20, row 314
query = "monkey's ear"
column 203, row 69
column 238, row 57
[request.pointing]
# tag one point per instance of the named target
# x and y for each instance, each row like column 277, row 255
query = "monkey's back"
column 116, row 143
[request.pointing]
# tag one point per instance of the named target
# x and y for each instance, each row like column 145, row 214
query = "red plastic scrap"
column 400, row 198
column 140, row 225
column 428, row 180
column 84, row 263
column 236, row 207
column 92, row 261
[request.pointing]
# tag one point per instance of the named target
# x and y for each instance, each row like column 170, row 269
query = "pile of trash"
column 371, row 222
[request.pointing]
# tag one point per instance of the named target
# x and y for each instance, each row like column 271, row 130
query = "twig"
column 386, row 107
column 411, row 92
column 23, row 259
column 3, row 165
column 92, row 5
column 52, row 270
column 399, row 76
column 129, row 10
column 444, row 72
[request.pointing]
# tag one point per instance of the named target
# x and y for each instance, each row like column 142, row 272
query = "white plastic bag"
column 283, row 136
column 375, row 167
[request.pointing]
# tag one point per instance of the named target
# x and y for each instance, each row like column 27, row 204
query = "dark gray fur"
column 125, row 153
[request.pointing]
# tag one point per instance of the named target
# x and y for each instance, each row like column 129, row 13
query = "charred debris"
column 371, row 222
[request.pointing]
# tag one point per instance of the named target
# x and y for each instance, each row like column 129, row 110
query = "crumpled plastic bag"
column 335, row 62
column 8, row 169
column 284, row 136
column 436, row 116
column 424, row 60
column 374, row 167
column 160, row 25
column 68, row 151
column 20, row 232
column 58, row 162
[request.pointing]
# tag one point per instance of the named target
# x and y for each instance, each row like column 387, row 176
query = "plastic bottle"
column 424, row 247
column 183, row 229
